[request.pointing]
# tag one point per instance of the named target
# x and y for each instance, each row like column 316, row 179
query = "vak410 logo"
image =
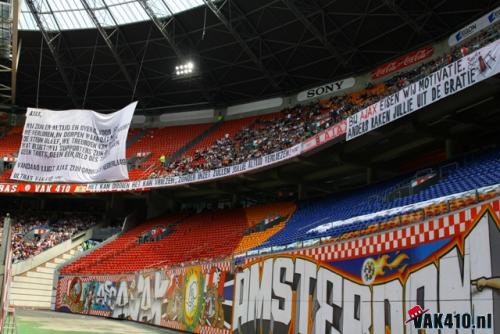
column 423, row 319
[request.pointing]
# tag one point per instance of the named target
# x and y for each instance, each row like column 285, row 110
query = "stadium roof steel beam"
column 404, row 16
column 162, row 27
column 118, row 58
column 385, row 33
column 51, row 38
column 8, row 36
column 246, row 48
column 9, row 57
column 72, row 16
column 293, row 5
column 238, row 12
column 107, row 39
column 16, row 45
column 347, row 39
column 432, row 13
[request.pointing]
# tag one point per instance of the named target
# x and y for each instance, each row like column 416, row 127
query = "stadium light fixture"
column 185, row 70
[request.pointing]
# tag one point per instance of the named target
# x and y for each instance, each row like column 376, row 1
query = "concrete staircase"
column 35, row 287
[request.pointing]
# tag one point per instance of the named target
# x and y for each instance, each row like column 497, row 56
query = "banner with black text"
column 73, row 146
column 450, row 79
column 200, row 176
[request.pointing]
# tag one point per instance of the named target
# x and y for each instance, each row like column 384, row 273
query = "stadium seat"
column 223, row 233
column 212, row 234
column 160, row 141
column 480, row 172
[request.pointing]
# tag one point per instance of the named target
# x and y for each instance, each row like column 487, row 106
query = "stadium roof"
column 243, row 50
column 71, row 14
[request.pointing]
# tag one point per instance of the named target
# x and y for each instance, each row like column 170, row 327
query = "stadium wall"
column 448, row 265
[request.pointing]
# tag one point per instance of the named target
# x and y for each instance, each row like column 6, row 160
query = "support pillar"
column 300, row 191
column 449, row 148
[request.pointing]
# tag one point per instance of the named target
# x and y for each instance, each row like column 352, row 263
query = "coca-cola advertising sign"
column 402, row 62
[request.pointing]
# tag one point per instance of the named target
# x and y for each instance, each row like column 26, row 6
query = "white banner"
column 73, row 146
column 244, row 167
column 335, row 131
column 326, row 89
column 331, row 133
column 476, row 26
column 447, row 81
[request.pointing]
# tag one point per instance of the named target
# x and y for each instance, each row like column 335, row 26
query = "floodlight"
column 185, row 70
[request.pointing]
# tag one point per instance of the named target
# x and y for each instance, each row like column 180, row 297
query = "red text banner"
column 402, row 62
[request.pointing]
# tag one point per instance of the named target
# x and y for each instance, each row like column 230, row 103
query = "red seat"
column 211, row 234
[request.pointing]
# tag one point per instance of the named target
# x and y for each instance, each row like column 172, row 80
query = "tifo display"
column 223, row 270
column 374, row 280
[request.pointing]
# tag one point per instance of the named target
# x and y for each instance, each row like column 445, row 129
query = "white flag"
column 73, row 146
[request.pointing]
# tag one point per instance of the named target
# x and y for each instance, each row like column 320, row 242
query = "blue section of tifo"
column 480, row 171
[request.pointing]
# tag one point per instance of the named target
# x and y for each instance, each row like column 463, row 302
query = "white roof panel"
column 71, row 14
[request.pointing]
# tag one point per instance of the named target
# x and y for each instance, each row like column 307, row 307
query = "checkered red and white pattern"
column 212, row 330
column 62, row 286
column 99, row 313
column 177, row 270
column 172, row 324
column 223, row 266
column 404, row 237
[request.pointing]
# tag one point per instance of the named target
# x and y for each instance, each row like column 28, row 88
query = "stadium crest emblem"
column 193, row 284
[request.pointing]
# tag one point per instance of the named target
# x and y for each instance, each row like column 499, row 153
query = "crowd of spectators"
column 34, row 233
column 87, row 245
column 261, row 137
column 293, row 125
column 155, row 234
